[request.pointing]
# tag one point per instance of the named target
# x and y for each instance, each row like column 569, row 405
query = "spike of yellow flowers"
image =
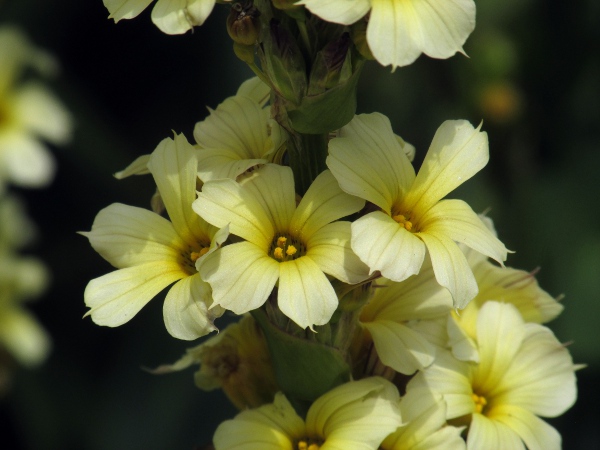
column 369, row 162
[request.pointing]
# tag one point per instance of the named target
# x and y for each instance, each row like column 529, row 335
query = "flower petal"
column 385, row 246
column 369, row 162
column 23, row 336
column 171, row 16
column 330, row 249
column 138, row 167
column 128, row 236
column 25, row 161
column 456, row 220
column 458, row 151
column 491, row 435
column 305, row 294
column 241, row 276
column 451, row 267
column 323, row 203
column 199, row 10
column 118, row 296
column 186, row 310
column 174, row 166
column 125, row 9
column 345, row 13
column 399, row 347
column 220, row 163
column 256, row 89
column 536, row 433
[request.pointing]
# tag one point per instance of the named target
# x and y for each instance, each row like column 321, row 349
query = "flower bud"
column 242, row 23
column 332, row 65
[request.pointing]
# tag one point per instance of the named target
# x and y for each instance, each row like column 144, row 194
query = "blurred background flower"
column 532, row 77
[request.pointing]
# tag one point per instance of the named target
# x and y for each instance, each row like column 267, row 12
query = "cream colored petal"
column 26, row 161
column 491, row 435
column 186, row 312
column 241, row 276
column 215, row 164
column 174, row 166
column 23, row 337
column 118, row 296
column 500, row 332
column 383, row 245
column 451, row 268
column 40, row 112
column 323, row 203
column 369, row 162
column 171, row 16
column 305, row 294
column 462, row 345
column 256, row 89
column 330, row 249
column 225, row 202
column 536, row 433
column 239, row 124
column 199, row 10
column 137, row 167
column 399, row 31
column 269, row 427
column 450, row 378
column 129, row 236
column 541, row 377
column 458, row 151
column 359, row 413
column 125, row 9
column 399, row 347
column 344, row 12
column 456, row 220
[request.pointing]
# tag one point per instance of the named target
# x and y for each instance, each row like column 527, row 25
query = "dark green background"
column 128, row 86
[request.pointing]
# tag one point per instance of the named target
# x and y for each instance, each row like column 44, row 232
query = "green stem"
column 307, row 154
column 304, row 35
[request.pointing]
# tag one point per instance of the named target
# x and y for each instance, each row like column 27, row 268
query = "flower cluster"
column 372, row 316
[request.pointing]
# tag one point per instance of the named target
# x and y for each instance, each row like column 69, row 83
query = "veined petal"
column 462, row 345
column 23, row 337
column 26, row 161
column 500, row 332
column 125, row 9
column 330, row 249
column 138, row 167
column 128, row 236
column 450, row 267
column 541, row 377
column 118, row 296
column 171, row 16
column 174, row 166
column 399, row 347
column 323, row 203
column 224, row 202
column 385, row 246
column 536, row 433
column 239, row 124
column 369, row 162
column 305, row 294
column 40, row 112
column 358, row 412
column 458, row 151
column 186, row 310
column 456, row 220
column 256, row 89
column 491, row 435
column 343, row 12
column 241, row 276
column 215, row 164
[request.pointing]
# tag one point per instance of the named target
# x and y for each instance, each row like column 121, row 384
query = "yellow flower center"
column 308, row 444
column 189, row 258
column 403, row 221
column 480, row 402
column 286, row 248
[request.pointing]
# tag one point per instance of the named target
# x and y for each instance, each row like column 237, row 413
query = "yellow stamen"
column 480, row 402
column 291, row 250
column 278, row 253
column 403, row 221
column 281, row 240
column 307, row 445
column 194, row 256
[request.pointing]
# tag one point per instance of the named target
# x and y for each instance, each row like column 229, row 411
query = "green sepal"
column 331, row 110
column 304, row 370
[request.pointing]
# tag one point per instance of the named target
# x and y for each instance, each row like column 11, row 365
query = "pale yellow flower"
column 399, row 31
column 152, row 252
column 29, row 112
column 355, row 415
column 369, row 162
column 293, row 247
column 170, row 16
column 523, row 373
